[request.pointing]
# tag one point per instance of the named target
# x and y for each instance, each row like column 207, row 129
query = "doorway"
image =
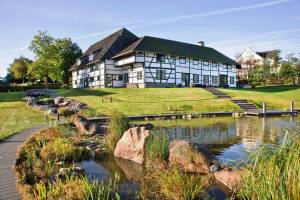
column 185, row 79
column 109, row 80
column 223, row 80
column 86, row 83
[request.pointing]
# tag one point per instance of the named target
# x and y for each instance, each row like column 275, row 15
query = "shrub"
column 37, row 156
column 63, row 149
column 66, row 112
column 274, row 173
column 157, row 146
column 117, row 125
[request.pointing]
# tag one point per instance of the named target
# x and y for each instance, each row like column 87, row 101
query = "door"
column 185, row 79
column 86, row 82
column 223, row 80
column 109, row 80
column 125, row 80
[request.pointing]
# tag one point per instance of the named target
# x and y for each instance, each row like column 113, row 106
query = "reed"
column 117, row 125
column 274, row 172
column 157, row 146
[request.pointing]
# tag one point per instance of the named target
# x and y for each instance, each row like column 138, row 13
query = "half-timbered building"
column 125, row 60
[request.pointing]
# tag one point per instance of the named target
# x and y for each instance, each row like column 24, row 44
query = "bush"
column 274, row 173
column 36, row 157
column 62, row 149
column 66, row 112
column 117, row 125
column 17, row 88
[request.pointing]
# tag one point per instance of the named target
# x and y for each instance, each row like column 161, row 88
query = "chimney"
column 201, row 43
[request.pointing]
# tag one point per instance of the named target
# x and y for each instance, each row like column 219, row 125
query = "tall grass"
column 75, row 188
column 275, row 172
column 117, row 125
column 172, row 183
column 157, row 146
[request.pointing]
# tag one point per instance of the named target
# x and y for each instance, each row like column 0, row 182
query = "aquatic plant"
column 62, row 149
column 173, row 183
column 157, row 146
column 117, row 125
column 274, row 172
column 75, row 188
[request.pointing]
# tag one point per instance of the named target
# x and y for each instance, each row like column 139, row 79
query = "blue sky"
column 229, row 26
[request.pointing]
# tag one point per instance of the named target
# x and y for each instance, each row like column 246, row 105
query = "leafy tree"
column 68, row 52
column 19, row 67
column 43, row 66
column 54, row 57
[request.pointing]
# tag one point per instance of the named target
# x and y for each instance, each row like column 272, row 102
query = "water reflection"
column 234, row 139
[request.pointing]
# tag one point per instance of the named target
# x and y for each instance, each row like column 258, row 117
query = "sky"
column 229, row 26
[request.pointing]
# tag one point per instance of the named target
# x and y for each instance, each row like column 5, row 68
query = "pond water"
column 231, row 140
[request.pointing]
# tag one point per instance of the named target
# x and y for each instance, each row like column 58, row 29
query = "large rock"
column 58, row 100
column 192, row 157
column 85, row 126
column 131, row 145
column 231, row 178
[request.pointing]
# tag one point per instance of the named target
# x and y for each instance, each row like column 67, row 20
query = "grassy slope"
column 15, row 115
column 150, row 100
column 276, row 96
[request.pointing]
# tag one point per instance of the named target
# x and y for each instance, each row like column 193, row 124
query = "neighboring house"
column 125, row 60
column 250, row 58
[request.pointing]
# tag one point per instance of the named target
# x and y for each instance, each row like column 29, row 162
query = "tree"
column 19, row 67
column 54, row 57
column 68, row 52
column 41, row 46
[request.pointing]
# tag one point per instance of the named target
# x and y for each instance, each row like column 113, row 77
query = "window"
column 205, row 63
column 75, row 82
column 173, row 60
column 140, row 54
column 91, row 79
column 91, row 57
column 215, row 79
column 77, row 73
column 139, row 75
column 182, row 60
column 231, row 80
column 196, row 78
column 160, row 57
column 196, row 62
column 214, row 66
column 206, row 79
column 120, row 77
column 161, row 74
column 98, row 78
column 229, row 68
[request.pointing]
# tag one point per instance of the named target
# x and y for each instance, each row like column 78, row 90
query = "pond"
column 231, row 140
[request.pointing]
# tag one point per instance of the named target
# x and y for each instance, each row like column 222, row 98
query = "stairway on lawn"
column 244, row 104
column 217, row 93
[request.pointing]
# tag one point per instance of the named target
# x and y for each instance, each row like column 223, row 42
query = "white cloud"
column 220, row 12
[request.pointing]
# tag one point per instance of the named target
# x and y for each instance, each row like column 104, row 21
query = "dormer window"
column 160, row 57
column 91, row 57
column 78, row 62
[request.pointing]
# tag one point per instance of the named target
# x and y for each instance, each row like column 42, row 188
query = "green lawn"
column 15, row 116
column 278, row 97
column 149, row 100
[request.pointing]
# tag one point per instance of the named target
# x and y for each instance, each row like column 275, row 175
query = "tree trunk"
column 46, row 82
